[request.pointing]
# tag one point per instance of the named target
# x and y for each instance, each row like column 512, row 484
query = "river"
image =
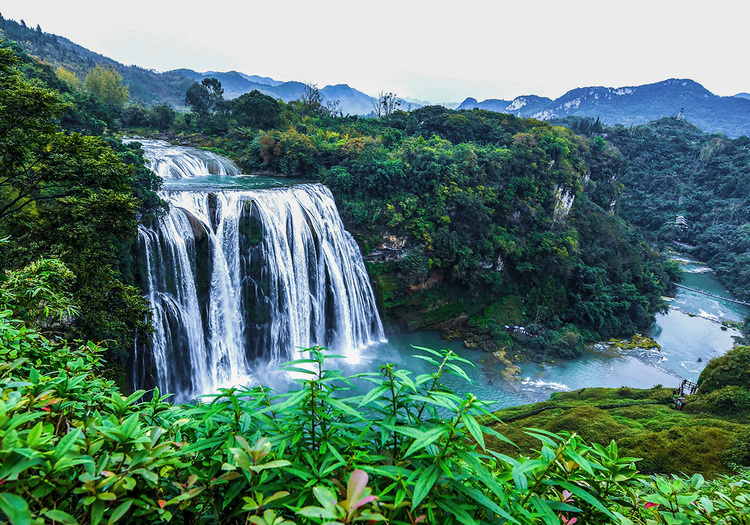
column 690, row 334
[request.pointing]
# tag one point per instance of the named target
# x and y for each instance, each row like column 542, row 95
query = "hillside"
column 626, row 105
column 520, row 106
column 635, row 105
column 148, row 87
column 145, row 86
column 709, row 435
column 672, row 168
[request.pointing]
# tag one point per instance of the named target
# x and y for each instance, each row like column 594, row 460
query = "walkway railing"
column 696, row 290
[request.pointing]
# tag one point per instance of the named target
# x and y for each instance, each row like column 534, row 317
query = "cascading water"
column 176, row 162
column 241, row 278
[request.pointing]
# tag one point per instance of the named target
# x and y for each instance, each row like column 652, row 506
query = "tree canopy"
column 105, row 84
column 71, row 196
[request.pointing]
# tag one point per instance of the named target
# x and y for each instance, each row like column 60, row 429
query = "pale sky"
column 436, row 50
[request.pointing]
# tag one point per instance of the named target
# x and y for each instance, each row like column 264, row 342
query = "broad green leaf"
column 97, row 512
column 61, row 517
column 519, row 477
column 15, row 508
column 457, row 370
column 542, row 508
column 120, row 511
column 426, row 439
column 135, row 396
column 345, row 408
column 461, row 515
column 486, row 502
column 374, row 394
column 424, row 484
column 474, row 429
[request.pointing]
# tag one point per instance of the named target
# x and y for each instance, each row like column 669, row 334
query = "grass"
column 642, row 421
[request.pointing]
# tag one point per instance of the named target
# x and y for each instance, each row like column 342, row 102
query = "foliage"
column 704, row 437
column 145, row 86
column 673, row 168
column 105, row 84
column 501, row 206
column 72, row 197
column 38, row 293
column 724, row 386
column 731, row 369
column 405, row 451
column 256, row 110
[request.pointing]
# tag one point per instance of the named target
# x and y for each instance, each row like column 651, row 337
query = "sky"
column 435, row 51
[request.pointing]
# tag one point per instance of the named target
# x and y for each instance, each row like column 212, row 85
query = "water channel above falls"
column 192, row 356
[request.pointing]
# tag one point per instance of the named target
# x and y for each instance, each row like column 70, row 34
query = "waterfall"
column 238, row 279
column 177, row 162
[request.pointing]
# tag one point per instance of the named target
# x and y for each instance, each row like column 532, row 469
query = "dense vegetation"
column 503, row 221
column 673, row 169
column 74, row 450
column 711, row 434
column 70, row 195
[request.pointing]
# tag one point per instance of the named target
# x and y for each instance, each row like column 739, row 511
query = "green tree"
column 161, row 116
column 106, row 85
column 205, row 97
column 256, row 110
column 69, row 77
column 70, row 197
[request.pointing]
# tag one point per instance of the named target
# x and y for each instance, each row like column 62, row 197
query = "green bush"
column 73, row 449
column 731, row 369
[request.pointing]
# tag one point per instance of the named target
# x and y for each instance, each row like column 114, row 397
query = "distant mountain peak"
column 635, row 105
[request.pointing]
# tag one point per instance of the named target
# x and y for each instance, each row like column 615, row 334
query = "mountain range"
column 351, row 101
column 635, row 105
column 624, row 105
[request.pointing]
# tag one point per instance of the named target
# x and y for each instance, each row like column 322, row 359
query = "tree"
column 206, row 100
column 68, row 77
column 105, row 84
column 161, row 116
column 385, row 104
column 256, row 110
column 312, row 100
column 71, row 197
column 198, row 100
column 135, row 115
column 215, row 93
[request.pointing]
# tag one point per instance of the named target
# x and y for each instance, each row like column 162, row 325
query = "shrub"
column 75, row 450
column 731, row 369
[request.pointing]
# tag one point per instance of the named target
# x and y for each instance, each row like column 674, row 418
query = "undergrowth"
column 75, row 450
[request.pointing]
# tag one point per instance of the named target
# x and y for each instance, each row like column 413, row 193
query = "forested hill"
column 673, row 168
column 145, row 86
column 341, row 97
column 494, row 220
column 635, row 105
column 148, row 87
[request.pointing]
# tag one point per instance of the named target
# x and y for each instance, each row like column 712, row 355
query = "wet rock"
column 199, row 230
